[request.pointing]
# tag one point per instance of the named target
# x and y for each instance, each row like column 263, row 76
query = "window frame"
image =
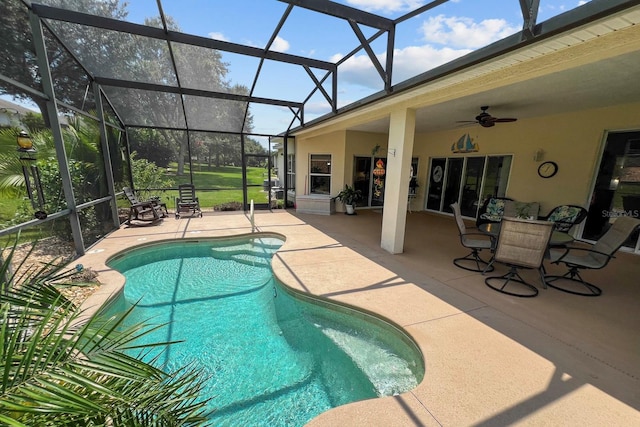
column 315, row 174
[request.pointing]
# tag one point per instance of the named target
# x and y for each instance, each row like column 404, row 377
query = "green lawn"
column 215, row 186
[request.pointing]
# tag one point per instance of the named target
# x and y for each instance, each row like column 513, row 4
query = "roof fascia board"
column 194, row 92
column 344, row 12
column 86, row 19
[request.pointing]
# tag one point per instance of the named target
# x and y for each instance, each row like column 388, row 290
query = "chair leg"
column 499, row 283
column 480, row 264
column 573, row 275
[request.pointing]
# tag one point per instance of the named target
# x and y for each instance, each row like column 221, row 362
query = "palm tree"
column 11, row 176
column 59, row 368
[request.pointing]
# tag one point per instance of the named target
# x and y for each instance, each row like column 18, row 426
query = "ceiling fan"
column 486, row 120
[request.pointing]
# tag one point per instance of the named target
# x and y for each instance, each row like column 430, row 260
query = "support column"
column 394, row 215
column 106, row 155
column 56, row 131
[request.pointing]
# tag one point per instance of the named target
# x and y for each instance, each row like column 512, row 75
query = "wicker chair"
column 595, row 257
column 521, row 244
column 475, row 241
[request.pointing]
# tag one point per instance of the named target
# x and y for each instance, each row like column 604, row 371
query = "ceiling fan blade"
column 486, row 120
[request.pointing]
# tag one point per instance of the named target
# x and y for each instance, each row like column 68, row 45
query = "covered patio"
column 490, row 359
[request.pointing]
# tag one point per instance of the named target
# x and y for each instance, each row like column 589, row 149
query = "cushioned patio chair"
column 474, row 240
column 521, row 244
column 148, row 210
column 187, row 201
column 595, row 257
column 566, row 216
column 492, row 210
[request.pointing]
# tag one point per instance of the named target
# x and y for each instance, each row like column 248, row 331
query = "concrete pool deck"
column 491, row 359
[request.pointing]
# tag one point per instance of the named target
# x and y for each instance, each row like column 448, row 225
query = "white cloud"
column 413, row 60
column 461, row 32
column 386, row 5
column 359, row 70
column 447, row 38
column 280, row 45
column 407, row 62
column 218, row 36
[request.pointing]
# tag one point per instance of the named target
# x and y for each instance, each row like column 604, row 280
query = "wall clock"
column 547, row 169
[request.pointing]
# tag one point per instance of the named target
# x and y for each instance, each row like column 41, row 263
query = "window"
column 320, row 174
column 291, row 171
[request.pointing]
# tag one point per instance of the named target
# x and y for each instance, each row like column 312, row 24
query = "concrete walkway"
column 491, row 359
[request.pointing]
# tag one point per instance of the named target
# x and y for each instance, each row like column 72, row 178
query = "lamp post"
column 28, row 161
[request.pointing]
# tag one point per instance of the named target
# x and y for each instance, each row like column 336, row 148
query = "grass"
column 215, row 186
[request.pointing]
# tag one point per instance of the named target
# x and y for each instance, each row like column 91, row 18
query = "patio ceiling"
column 185, row 97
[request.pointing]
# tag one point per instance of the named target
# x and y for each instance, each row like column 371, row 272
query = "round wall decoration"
column 547, row 169
column 437, row 173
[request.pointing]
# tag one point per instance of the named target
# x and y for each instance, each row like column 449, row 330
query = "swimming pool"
column 274, row 356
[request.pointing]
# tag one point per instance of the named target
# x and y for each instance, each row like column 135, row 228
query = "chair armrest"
column 142, row 205
column 570, row 249
column 473, row 233
column 491, row 238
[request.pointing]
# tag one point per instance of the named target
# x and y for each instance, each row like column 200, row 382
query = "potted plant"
column 349, row 196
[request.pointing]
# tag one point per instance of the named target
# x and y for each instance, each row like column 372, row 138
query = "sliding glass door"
column 370, row 175
column 466, row 180
column 617, row 188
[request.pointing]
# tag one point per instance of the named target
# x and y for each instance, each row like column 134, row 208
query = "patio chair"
column 187, row 201
column 492, row 210
column 595, row 257
column 521, row 244
column 476, row 241
column 140, row 210
column 566, row 216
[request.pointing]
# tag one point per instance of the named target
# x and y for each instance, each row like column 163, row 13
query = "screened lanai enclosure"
column 135, row 95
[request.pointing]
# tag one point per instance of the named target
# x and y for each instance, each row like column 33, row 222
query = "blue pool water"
column 274, row 357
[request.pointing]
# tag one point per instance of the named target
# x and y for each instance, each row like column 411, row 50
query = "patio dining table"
column 558, row 238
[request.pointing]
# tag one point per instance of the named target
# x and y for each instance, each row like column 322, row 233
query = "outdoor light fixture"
column 29, row 168
column 24, row 141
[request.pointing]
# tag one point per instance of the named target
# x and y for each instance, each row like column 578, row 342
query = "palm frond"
column 59, row 367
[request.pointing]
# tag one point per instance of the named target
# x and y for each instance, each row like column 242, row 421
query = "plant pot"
column 351, row 210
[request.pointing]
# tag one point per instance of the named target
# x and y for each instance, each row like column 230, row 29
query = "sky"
column 433, row 38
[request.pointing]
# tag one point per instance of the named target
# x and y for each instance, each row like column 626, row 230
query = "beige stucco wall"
column 572, row 140
column 329, row 143
column 342, row 155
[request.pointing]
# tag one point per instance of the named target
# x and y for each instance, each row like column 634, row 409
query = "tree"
column 34, row 122
column 18, row 57
column 116, row 54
